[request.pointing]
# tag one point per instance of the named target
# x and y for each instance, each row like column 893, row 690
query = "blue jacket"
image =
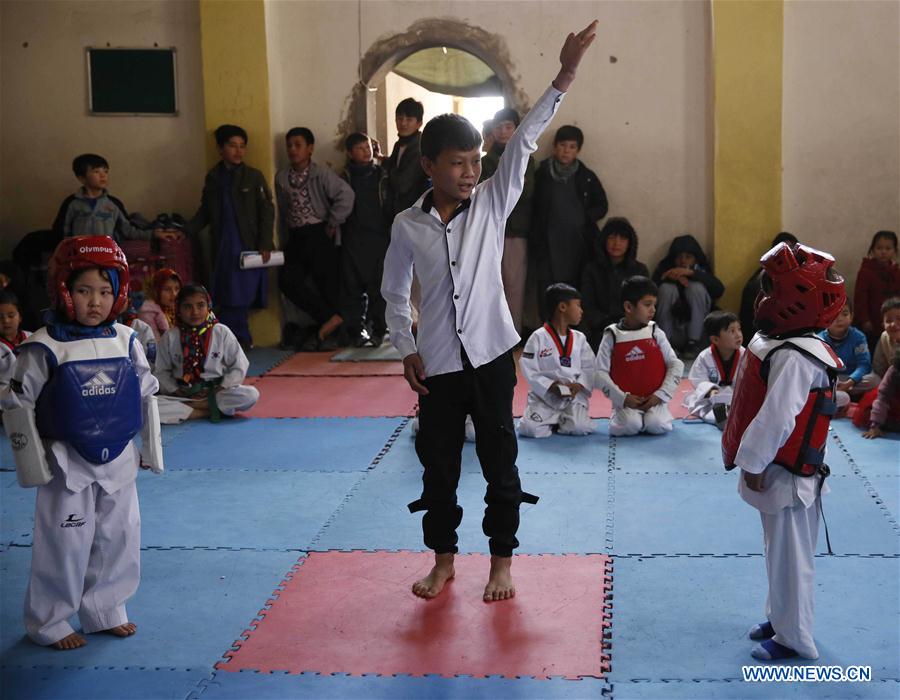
column 853, row 350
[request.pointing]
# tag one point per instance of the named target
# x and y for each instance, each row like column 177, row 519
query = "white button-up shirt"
column 458, row 263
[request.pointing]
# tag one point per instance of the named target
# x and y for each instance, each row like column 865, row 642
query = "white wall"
column 645, row 117
column 841, row 128
column 156, row 163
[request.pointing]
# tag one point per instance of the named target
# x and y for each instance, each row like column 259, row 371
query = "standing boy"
column 636, row 367
column 365, row 241
column 514, row 264
column 558, row 365
column 776, row 433
column 406, row 180
column 461, row 360
column 313, row 202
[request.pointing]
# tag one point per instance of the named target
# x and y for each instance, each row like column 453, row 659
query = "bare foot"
column 440, row 574
column 73, row 641
column 330, row 326
column 126, row 630
column 199, row 412
column 500, row 583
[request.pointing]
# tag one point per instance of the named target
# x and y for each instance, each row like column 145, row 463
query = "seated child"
column 10, row 334
column 878, row 279
column 144, row 332
column 558, row 365
column 687, row 290
column 885, row 411
column 712, row 373
column 777, row 432
column 200, row 364
column 889, row 341
column 636, row 367
column 158, row 311
column 850, row 345
column 92, row 210
column 81, row 392
column 614, row 261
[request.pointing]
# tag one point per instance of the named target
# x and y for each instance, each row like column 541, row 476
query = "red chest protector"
column 804, row 450
column 637, row 365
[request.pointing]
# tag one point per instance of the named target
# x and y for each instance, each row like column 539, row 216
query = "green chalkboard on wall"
column 132, row 81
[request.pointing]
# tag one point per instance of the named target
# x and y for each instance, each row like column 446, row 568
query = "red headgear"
column 799, row 292
column 79, row 253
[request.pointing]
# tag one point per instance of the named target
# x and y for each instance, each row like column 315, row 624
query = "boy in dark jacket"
column 237, row 206
column 365, row 240
column 615, row 260
column 568, row 202
column 687, row 290
column 406, row 181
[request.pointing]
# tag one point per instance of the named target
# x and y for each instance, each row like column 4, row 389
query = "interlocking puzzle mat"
column 263, row 360
column 323, row 397
column 372, row 623
column 317, row 364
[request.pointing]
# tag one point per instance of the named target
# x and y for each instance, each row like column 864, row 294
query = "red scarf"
column 194, row 347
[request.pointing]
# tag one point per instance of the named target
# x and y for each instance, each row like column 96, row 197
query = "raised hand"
column 571, row 54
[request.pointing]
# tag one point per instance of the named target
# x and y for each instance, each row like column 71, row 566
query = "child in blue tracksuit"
column 850, row 344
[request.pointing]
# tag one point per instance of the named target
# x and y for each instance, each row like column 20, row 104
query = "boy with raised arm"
column 461, row 361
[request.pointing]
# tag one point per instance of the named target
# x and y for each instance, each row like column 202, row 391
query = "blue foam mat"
column 16, row 511
column 190, row 607
column 47, row 683
column 240, row 686
column 738, row 689
column 663, row 607
column 570, row 517
column 264, row 359
column 888, row 490
column 318, row 444
column 699, row 514
column 6, row 455
column 879, row 456
column 558, row 453
column 690, row 448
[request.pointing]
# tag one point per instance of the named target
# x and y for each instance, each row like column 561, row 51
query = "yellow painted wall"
column 236, row 91
column 747, row 55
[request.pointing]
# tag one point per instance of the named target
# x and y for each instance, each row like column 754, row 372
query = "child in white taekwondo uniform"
column 558, row 365
column 11, row 336
column 200, row 364
column 637, row 369
column 81, row 391
column 712, row 373
column 776, row 433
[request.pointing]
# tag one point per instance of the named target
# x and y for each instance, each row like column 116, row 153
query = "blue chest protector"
column 93, row 397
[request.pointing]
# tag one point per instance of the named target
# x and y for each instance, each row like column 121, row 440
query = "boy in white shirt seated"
column 712, row 373
column 558, row 365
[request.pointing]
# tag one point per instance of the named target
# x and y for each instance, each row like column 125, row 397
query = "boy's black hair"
column 718, row 321
column 8, row 297
column 620, row 226
column 569, row 132
column 302, row 132
column 189, row 290
column 353, row 139
column 72, row 278
column 883, row 235
column 890, row 305
column 556, row 294
column 637, row 287
column 507, row 114
column 410, row 108
column 226, row 131
column 784, row 237
column 86, row 161
column 447, row 131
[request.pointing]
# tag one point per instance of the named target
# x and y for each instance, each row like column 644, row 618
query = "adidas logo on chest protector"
column 634, row 354
column 98, row 385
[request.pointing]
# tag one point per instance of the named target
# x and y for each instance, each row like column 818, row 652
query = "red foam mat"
column 339, row 397
column 353, row 612
column 319, row 364
column 600, row 406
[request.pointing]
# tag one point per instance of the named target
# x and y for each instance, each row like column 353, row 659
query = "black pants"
column 362, row 305
column 310, row 277
column 486, row 393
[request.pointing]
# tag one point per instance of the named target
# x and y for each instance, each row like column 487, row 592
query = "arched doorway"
column 385, row 55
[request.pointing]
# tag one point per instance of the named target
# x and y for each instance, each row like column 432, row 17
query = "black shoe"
column 311, row 344
column 361, row 339
column 328, row 344
column 720, row 411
